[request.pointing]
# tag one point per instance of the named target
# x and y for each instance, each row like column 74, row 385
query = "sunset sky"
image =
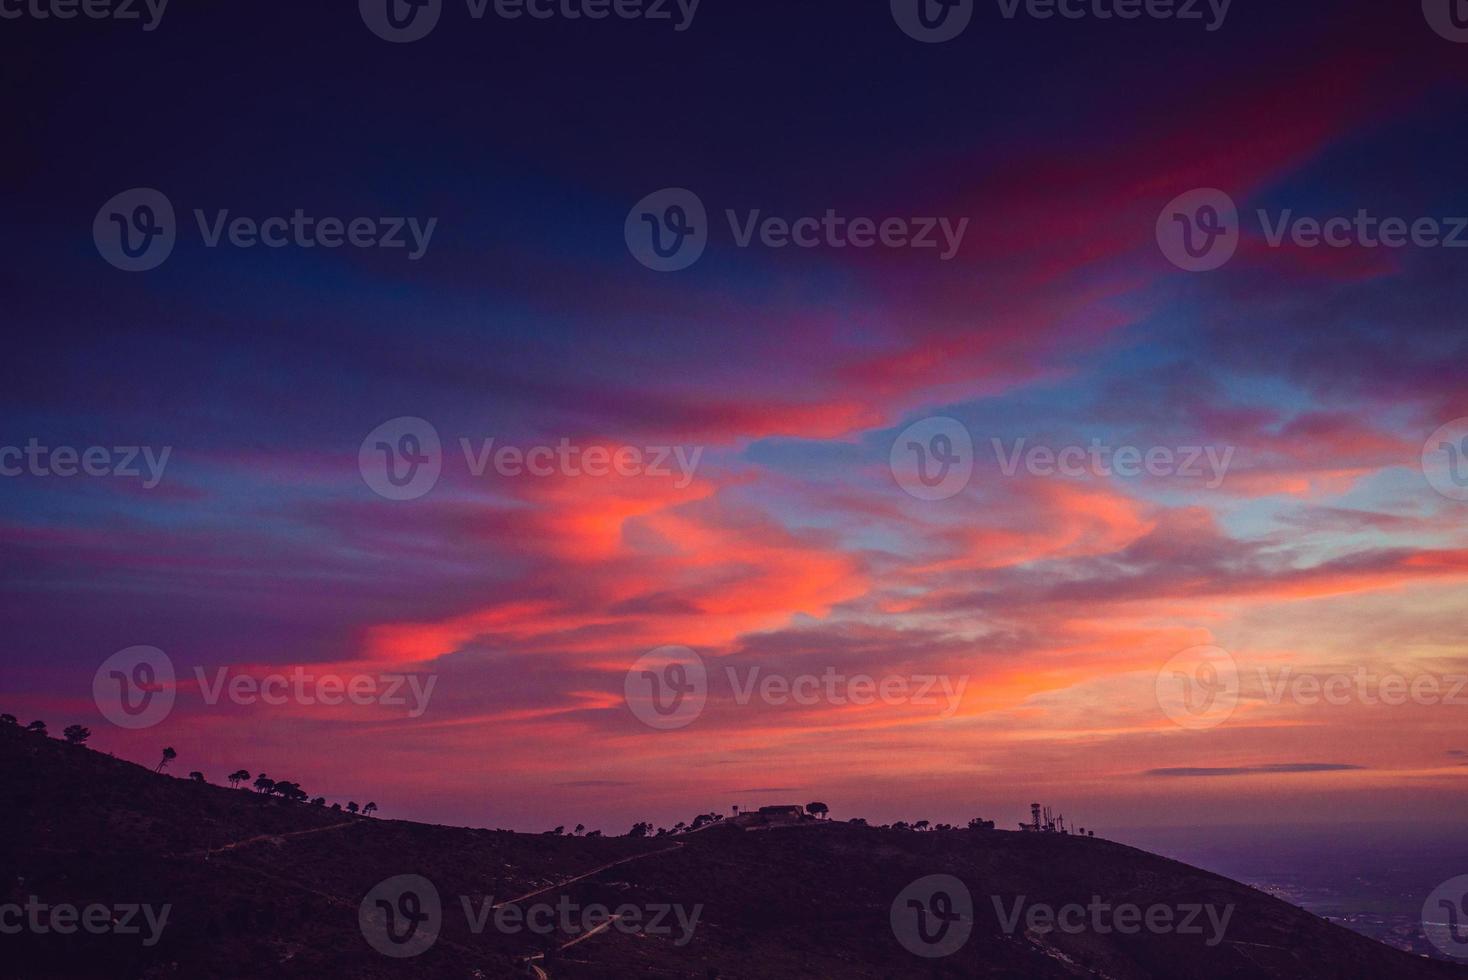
column 791, row 547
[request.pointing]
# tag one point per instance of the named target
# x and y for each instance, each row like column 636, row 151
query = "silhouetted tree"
column 76, row 734
column 920, row 825
column 196, row 776
column 168, row 756
column 369, row 809
column 579, row 828
column 817, row 810
column 287, row 790
column 319, row 801
column 39, row 727
column 640, row 829
column 336, row 806
column 978, row 823
column 857, row 821
column 352, row 807
column 8, row 721
column 594, row 833
column 238, row 776
column 264, row 784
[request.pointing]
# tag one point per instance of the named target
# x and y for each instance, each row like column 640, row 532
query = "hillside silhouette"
column 264, row 886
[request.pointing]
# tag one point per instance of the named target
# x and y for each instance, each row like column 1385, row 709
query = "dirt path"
column 588, row 874
column 264, row 837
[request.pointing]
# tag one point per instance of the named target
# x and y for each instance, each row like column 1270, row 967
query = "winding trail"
column 588, row 874
column 264, row 837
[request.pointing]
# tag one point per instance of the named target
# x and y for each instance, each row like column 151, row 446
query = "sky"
column 1299, row 519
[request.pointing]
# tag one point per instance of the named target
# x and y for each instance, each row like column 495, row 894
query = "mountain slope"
column 257, row 886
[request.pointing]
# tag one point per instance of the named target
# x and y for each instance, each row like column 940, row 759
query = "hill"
column 218, row 882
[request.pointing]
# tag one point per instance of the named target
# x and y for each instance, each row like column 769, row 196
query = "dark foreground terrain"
column 261, row 887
